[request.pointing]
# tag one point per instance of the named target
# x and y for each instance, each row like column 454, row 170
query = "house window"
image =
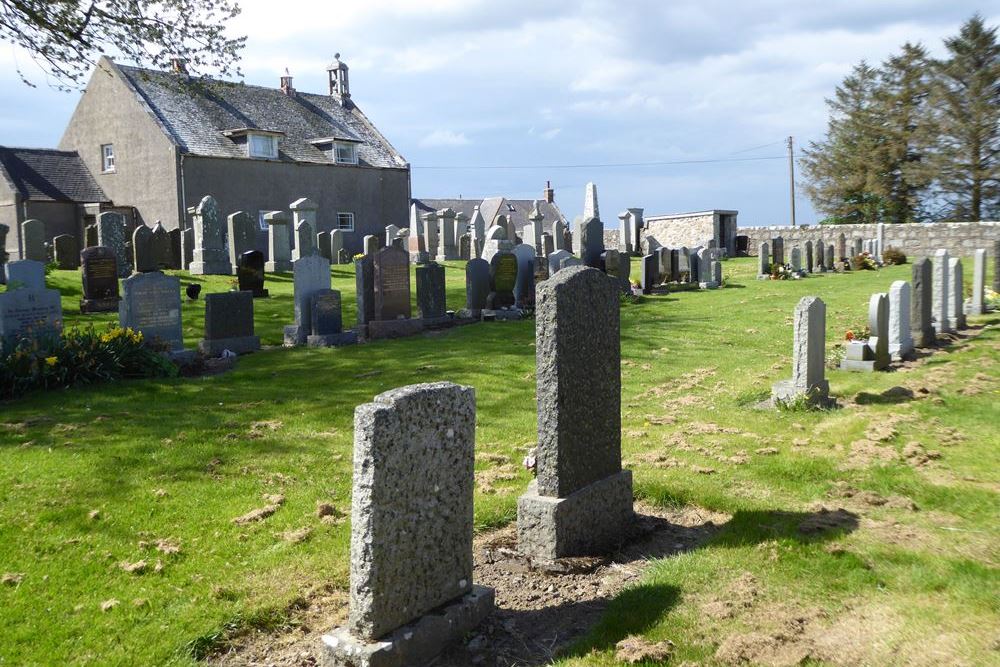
column 345, row 153
column 261, row 221
column 263, row 146
column 345, row 222
column 108, row 157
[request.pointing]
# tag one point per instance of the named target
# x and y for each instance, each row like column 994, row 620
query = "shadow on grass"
column 890, row 396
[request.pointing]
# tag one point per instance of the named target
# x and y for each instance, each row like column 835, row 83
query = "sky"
column 488, row 98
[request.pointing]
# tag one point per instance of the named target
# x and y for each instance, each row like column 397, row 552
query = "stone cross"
column 808, row 356
column 533, row 232
column 956, row 295
column 941, row 284
column 209, row 256
column 978, row 282
column 581, row 501
column 921, row 313
column 278, row 243
column 411, row 587
column 900, row 338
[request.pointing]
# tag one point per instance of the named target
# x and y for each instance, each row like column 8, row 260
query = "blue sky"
column 554, row 90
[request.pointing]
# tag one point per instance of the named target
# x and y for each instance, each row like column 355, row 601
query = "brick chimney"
column 286, row 84
column 549, row 194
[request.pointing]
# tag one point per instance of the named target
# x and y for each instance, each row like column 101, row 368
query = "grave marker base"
column 242, row 345
column 415, row 643
column 332, row 340
column 380, row 329
column 99, row 305
column 280, row 266
column 588, row 522
column 786, row 392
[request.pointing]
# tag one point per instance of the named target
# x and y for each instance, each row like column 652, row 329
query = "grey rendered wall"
column 377, row 197
column 109, row 112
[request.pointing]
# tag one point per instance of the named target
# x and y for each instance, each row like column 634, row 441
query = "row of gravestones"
column 696, row 266
column 411, row 577
column 813, row 257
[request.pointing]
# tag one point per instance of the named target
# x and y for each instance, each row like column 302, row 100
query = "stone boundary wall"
column 960, row 239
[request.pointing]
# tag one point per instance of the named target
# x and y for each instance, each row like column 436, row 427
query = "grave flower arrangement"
column 863, row 262
column 783, row 272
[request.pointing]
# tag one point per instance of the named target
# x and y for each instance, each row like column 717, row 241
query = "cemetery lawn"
column 117, row 502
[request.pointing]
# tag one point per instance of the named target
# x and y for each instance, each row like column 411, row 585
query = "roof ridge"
column 38, row 149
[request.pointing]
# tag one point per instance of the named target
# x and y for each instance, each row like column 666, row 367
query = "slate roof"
column 195, row 113
column 46, row 174
column 491, row 207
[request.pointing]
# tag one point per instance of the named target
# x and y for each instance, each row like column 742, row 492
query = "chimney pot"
column 549, row 194
column 286, row 84
column 178, row 65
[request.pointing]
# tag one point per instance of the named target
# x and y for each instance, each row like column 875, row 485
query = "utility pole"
column 791, row 176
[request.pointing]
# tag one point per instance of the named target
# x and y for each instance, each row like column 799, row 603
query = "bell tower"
column 340, row 86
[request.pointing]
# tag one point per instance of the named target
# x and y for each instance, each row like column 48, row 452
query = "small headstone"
column 99, row 272
column 956, row 294
column 242, row 236
column 151, row 305
column 142, row 250
column 111, row 234
column 303, row 242
column 26, row 273
column 940, row 309
column 176, row 249
column 159, row 247
column 33, row 240
column 555, row 259
column 323, row 245
column 228, row 324
column 872, row 355
column 66, row 252
column 650, row 273
column 369, row 245
column 524, row 286
column 209, row 257
column 592, row 242
column 976, row 303
column 29, row 311
column 900, row 339
column 278, row 242
column 477, row 287
column 337, row 246
column 808, row 356
column 310, row 274
column 503, row 277
column 327, row 321
column 431, row 291
column 921, row 311
column 392, row 284
column 250, row 273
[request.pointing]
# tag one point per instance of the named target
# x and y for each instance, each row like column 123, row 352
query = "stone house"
column 160, row 141
column 694, row 229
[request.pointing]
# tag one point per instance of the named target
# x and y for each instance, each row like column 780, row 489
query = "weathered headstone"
column 228, row 324
column 159, row 247
column 327, row 321
column 242, row 236
column 33, row 240
column 555, row 259
column 411, row 590
column 142, row 250
column 304, row 242
column 763, row 261
column 921, row 314
column 503, row 277
column 370, row 245
column 808, row 356
column 446, row 238
column 278, row 243
column 941, row 309
column 900, row 339
column 830, row 260
column 364, row 290
column 859, row 246
column 26, row 273
column 524, row 285
column 873, row 354
column 591, row 241
column 66, row 252
column 111, row 234
column 796, row 259
column 176, row 249
column 250, row 273
column 99, row 272
column 548, row 246
column 820, row 266
column 29, row 311
column 477, row 227
column 429, row 247
column 956, row 295
column 336, row 246
column 664, row 263
column 151, row 305
column 323, row 245
column 465, row 247
column 581, row 501
column 310, row 274
column 392, row 284
column 626, row 227
column 976, row 303
column 559, row 235
column 778, row 250
column 809, row 257
column 209, row 256
column 841, row 248
column 477, row 287
column 431, row 303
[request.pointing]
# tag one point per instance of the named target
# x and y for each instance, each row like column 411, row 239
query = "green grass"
column 179, row 459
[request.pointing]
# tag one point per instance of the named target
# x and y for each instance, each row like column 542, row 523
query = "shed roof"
column 47, row 174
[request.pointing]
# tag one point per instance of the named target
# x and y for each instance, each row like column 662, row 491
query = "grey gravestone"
column 559, row 235
column 809, row 257
column 675, row 264
column 841, row 249
column 26, row 273
column 176, row 251
column 940, row 308
column 570, row 261
column 496, row 241
column 430, row 291
column 390, row 234
column 808, row 356
column 763, row 261
column 336, row 246
column 796, row 259
column 242, row 236
column 555, row 259
column 548, row 246
column 229, row 324
column 209, row 257
column 524, row 285
column 111, row 234
column 411, row 590
column 921, row 314
column 160, row 247
column 364, row 287
column 66, row 252
column 90, row 235
column 625, row 272
column 427, row 243
column 477, row 287
column 392, row 284
column 581, row 501
column 143, row 260
column 304, row 241
column 370, row 245
column 820, row 265
column 694, row 264
column 900, row 339
column 859, row 245
column 683, row 265
column 956, row 295
column 465, row 247
column 503, row 277
column 327, row 321
column 664, row 263
column 323, row 245
column 591, row 242
column 310, row 274
column 33, row 240
column 830, row 261
column 30, row 312
column 187, row 241
column 650, row 273
column 716, row 268
column 99, row 272
column 278, row 244
column 872, row 355
column 976, row 305
column 151, row 304
column 250, row 273
column 778, row 250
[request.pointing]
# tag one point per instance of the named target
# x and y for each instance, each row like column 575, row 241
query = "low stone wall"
column 916, row 239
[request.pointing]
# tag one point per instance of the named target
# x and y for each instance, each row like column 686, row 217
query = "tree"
column 842, row 179
column 967, row 104
column 66, row 37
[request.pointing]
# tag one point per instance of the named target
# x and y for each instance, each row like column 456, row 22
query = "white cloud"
column 439, row 138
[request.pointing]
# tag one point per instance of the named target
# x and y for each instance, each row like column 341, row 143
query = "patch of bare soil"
column 539, row 608
column 634, row 649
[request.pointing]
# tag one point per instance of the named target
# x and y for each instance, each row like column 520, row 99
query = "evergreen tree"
column 967, row 105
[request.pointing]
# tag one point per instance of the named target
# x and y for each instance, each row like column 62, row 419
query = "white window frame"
column 108, row 158
column 350, row 158
column 260, row 219
column 345, row 216
column 271, row 154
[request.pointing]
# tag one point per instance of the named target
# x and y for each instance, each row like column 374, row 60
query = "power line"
column 754, row 148
column 609, row 165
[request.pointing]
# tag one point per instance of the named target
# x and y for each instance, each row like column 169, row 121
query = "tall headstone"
column 763, row 261
column 859, row 246
column 241, row 236
column 390, row 233
column 940, row 308
column 878, row 323
column 250, row 273
column 503, row 277
column 683, row 265
column 809, row 257
column 808, row 356
column 778, row 250
column 650, row 273
column 524, row 285
column 411, row 585
column 559, row 235
column 160, row 249
column 417, row 237
column 176, row 248
column 841, row 248
column 446, row 249
column 590, row 206
column 323, row 245
column 304, row 211
column 143, row 260
column 228, row 324
column 336, row 245
column 900, row 338
column 830, row 261
column 111, row 234
column 581, row 500
column 364, row 290
column 209, row 256
column 477, row 287
column 310, row 274
column 820, row 266
column 956, row 295
column 99, row 273
column 626, row 227
column 278, row 244
column 496, row 241
column 461, row 228
column 392, row 284
column 151, row 305
column 591, row 241
column 921, row 315
column 533, row 231
column 66, row 252
column 976, row 304
column 33, row 240
column 664, row 263
column 304, row 242
column 431, row 303
column 465, row 247
column 477, row 228
column 430, row 245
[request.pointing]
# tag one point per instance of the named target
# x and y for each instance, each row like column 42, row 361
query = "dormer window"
column 345, row 153
column 263, row 146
